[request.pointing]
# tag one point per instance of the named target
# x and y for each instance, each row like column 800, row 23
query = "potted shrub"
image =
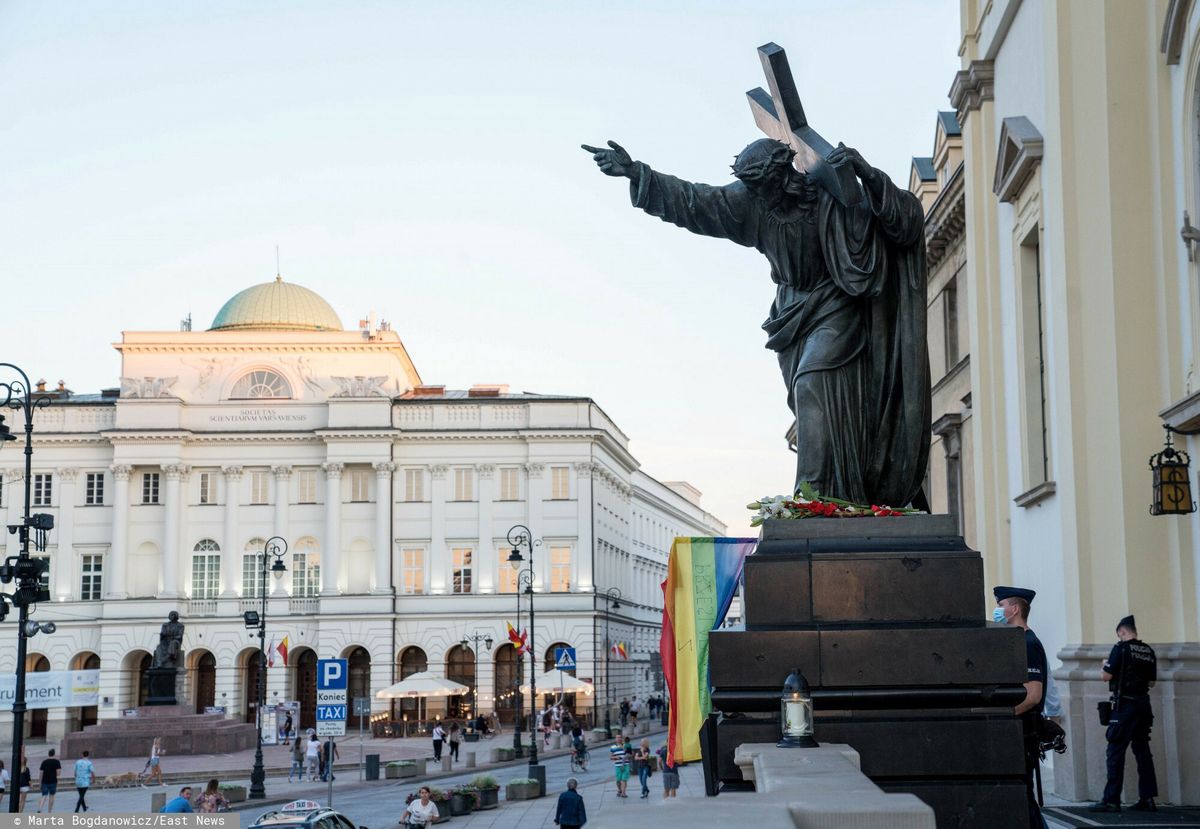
column 489, row 791
column 462, row 799
column 233, row 793
column 437, row 796
column 400, row 768
column 523, row 788
column 507, row 754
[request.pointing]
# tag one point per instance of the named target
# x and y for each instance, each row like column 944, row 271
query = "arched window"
column 306, row 567
column 460, row 667
column 261, row 383
column 252, row 575
column 505, row 682
column 206, row 569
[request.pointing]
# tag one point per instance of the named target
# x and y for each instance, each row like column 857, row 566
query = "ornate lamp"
column 796, row 713
column 1171, row 475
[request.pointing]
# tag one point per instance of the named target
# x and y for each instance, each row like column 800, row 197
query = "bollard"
column 157, row 801
column 470, row 759
column 494, row 755
column 446, row 762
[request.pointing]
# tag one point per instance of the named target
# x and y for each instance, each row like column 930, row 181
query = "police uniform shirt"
column 1133, row 665
column 1036, row 671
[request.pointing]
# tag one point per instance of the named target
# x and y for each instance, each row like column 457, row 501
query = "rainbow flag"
column 702, row 579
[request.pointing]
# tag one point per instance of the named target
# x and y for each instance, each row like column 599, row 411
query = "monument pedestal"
column 886, row 618
column 160, row 686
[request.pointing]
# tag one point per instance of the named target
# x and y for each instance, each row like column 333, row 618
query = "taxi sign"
column 301, row 806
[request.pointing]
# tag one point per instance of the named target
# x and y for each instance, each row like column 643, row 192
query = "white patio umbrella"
column 423, row 684
column 560, row 681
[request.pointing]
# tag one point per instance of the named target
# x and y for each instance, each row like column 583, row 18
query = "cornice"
column 972, row 87
column 946, row 221
column 116, row 436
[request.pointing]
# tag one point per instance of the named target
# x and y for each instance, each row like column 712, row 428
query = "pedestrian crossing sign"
column 564, row 659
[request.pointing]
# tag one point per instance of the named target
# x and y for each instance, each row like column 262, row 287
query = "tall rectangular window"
column 414, row 484
column 412, row 571
column 359, row 486
column 1033, row 364
column 560, row 569
column 93, row 492
column 560, row 483
column 42, row 486
column 306, row 574
column 260, row 487
column 252, row 575
column 150, row 482
column 306, row 486
column 510, row 483
column 950, row 322
column 506, row 576
column 464, row 484
column 208, row 494
column 461, row 558
column 206, row 575
column 91, row 572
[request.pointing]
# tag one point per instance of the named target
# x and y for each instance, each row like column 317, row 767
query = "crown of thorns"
column 761, row 158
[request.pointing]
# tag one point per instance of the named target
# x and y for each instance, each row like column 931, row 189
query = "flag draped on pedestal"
column 702, row 579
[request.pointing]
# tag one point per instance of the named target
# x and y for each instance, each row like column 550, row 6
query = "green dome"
column 276, row 306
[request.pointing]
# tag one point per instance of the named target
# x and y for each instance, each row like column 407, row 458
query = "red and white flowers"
column 809, row 503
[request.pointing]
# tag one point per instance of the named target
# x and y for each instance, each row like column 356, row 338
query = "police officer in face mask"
column 1012, row 608
column 1131, row 671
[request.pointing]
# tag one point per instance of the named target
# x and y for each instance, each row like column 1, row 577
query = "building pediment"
column 1019, row 155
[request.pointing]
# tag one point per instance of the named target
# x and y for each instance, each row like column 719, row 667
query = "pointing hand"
column 614, row 162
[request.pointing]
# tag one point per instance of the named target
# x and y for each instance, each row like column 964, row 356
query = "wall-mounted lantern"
column 1172, row 482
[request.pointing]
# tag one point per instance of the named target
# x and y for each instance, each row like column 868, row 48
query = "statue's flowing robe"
column 847, row 323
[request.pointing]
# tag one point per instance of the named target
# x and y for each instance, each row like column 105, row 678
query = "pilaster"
column 536, row 473
column 332, row 548
column 171, row 553
column 116, row 571
column 64, row 558
column 485, row 556
column 231, row 571
column 383, row 527
column 283, row 497
column 582, row 562
column 438, row 555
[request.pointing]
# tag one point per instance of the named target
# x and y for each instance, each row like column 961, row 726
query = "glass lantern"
column 796, row 713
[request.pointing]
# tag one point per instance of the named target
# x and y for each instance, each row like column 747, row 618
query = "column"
column 231, row 569
column 331, row 549
column 383, row 528
column 582, row 562
column 64, row 557
column 536, row 473
column 170, row 548
column 283, row 497
column 438, row 554
column 485, row 564
column 114, row 569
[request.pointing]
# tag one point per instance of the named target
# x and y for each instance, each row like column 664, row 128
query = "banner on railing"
column 53, row 689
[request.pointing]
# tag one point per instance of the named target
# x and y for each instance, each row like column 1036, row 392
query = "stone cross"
column 781, row 116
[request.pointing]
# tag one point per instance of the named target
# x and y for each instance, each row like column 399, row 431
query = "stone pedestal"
column 161, row 686
column 886, row 618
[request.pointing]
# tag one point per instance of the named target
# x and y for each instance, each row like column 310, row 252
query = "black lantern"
column 1172, row 481
column 796, row 713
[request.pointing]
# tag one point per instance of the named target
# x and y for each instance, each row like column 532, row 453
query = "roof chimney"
column 429, row 391
column 487, row 390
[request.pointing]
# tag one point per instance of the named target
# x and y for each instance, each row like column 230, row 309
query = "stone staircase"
column 182, row 732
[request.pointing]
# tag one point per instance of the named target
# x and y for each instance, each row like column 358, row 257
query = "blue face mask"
column 998, row 616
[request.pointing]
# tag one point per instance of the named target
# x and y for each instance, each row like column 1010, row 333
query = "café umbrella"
column 561, row 681
column 423, row 684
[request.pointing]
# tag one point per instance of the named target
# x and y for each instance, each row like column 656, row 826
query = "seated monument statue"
column 170, row 643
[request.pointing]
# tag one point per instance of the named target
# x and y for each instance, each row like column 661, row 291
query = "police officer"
column 1131, row 671
column 1012, row 608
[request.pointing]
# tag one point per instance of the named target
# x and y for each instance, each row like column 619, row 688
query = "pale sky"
column 421, row 160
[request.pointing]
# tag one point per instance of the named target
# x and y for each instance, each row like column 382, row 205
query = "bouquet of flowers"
column 809, row 503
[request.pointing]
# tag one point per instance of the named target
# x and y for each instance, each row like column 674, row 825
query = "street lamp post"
column 611, row 602
column 271, row 548
column 23, row 568
column 517, row 536
column 467, row 641
column 518, row 749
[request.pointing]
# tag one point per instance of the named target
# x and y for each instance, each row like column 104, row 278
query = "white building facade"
column 395, row 499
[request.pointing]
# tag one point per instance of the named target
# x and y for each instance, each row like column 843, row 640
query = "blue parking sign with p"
column 331, row 674
column 564, row 659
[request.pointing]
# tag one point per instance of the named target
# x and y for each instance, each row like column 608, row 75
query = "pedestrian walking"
column 85, row 773
column 286, row 733
column 329, row 754
column 644, row 761
column 624, row 712
column 5, row 780
column 1012, row 608
column 211, row 799
column 635, row 708
column 297, row 768
column 50, row 769
column 570, row 813
column 620, row 768
column 439, row 737
column 312, row 757
column 154, row 762
column 670, row 774
column 24, row 783
column 1131, row 671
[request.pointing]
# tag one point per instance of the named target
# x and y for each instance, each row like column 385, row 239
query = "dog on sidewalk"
column 116, row 781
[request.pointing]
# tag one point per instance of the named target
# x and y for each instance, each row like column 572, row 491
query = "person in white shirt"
column 439, row 737
column 312, row 757
column 420, row 812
